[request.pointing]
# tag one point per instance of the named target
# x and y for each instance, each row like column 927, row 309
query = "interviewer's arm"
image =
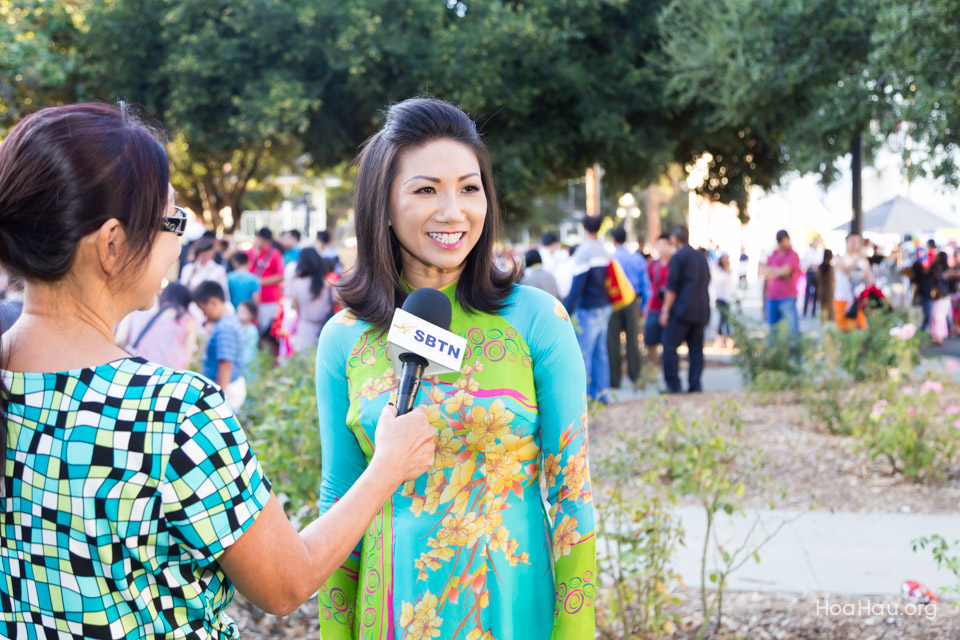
column 278, row 569
column 224, row 371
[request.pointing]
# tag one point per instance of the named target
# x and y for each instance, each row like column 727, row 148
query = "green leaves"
column 40, row 63
column 785, row 82
column 946, row 554
column 281, row 423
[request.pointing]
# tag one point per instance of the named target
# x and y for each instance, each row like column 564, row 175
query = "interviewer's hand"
column 405, row 445
column 278, row 569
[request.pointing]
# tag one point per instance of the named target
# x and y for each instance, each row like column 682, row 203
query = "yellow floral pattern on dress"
column 560, row 311
column 479, row 461
column 346, row 317
column 421, row 621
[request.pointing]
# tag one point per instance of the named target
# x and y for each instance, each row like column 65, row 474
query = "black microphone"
column 430, row 306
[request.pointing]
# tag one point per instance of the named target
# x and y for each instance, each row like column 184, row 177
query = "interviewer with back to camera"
column 132, row 503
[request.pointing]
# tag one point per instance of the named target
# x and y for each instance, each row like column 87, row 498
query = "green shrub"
column 870, row 354
column 769, row 361
column 947, row 556
column 281, row 422
column 828, row 394
column 908, row 427
column 637, row 535
column 702, row 459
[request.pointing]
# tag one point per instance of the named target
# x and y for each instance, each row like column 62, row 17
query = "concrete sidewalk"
column 841, row 553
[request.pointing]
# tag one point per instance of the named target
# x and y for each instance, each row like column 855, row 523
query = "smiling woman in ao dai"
column 469, row 551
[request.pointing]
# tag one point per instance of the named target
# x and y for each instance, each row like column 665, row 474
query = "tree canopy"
column 250, row 88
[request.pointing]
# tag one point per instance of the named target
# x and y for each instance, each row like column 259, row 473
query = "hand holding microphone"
column 405, row 445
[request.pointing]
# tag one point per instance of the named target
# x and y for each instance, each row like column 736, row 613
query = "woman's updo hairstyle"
column 64, row 171
column 372, row 290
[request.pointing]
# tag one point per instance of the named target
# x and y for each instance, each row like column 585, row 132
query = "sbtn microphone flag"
column 413, row 332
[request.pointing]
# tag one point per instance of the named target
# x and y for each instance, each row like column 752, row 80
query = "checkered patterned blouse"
column 123, row 484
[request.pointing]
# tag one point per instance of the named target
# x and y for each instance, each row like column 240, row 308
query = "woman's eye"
column 471, row 188
column 427, row 190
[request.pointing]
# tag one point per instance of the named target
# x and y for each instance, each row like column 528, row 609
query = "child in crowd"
column 243, row 285
column 247, row 315
column 223, row 360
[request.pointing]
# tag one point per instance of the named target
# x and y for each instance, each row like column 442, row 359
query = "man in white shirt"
column 556, row 261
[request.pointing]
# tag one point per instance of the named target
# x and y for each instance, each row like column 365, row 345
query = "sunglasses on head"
column 175, row 224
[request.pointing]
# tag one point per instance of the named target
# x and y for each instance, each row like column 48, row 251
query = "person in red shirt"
column 658, row 270
column 782, row 272
column 267, row 264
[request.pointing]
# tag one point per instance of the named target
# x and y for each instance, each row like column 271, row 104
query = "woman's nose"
column 449, row 209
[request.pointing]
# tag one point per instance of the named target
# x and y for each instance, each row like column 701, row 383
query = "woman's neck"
column 419, row 275
column 61, row 329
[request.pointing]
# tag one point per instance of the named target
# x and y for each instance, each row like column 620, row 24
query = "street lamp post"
column 306, row 216
column 628, row 211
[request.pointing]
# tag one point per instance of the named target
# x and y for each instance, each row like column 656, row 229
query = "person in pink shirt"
column 266, row 262
column 782, row 273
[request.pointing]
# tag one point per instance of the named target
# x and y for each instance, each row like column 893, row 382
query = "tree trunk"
column 212, row 202
column 856, row 170
column 236, row 208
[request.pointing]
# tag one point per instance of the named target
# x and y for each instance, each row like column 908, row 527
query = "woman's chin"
column 444, row 263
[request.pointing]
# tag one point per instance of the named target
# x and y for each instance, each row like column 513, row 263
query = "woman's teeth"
column 446, row 238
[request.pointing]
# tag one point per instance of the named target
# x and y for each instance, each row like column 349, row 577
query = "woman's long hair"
column 177, row 296
column 311, row 265
column 64, row 172
column 372, row 289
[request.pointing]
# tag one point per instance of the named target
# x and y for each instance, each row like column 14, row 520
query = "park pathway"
column 839, row 553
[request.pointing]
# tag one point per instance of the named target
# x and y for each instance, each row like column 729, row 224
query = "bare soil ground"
column 822, row 616
column 810, row 465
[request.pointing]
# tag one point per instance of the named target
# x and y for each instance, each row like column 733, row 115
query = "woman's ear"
column 111, row 242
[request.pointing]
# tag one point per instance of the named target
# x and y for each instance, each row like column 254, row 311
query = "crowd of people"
column 276, row 295
column 840, row 289
column 836, row 289
column 673, row 284
column 134, row 505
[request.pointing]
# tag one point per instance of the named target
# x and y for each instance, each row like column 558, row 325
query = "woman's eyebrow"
column 437, row 180
column 469, row 175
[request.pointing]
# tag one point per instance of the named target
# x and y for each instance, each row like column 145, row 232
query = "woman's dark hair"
column 64, row 172
column 311, row 265
column 177, row 295
column 250, row 306
column 372, row 289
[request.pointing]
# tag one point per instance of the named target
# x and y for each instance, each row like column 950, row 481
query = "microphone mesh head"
column 430, row 305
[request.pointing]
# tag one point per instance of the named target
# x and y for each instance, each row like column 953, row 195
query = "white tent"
column 901, row 215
